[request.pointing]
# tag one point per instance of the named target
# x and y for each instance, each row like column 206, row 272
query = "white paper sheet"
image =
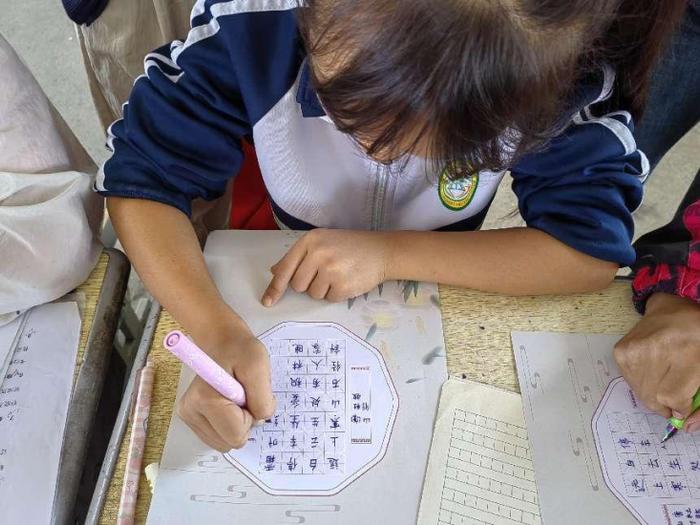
column 9, row 334
column 34, row 399
column 402, row 322
column 570, row 388
column 480, row 470
column 336, row 407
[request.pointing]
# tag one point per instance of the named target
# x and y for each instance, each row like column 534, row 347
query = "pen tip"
column 670, row 431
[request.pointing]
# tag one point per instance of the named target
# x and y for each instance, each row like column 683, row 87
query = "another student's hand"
column 660, row 357
column 331, row 264
column 217, row 421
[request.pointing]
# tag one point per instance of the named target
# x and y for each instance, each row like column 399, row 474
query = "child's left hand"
column 331, row 264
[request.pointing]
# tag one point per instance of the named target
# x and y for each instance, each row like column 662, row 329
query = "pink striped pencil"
column 137, row 442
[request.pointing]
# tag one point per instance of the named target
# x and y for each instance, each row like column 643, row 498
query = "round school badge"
column 456, row 194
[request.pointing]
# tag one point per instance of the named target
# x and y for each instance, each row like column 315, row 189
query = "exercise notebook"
column 480, row 469
column 34, row 398
column 357, row 387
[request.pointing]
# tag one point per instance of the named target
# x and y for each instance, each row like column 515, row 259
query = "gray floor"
column 50, row 48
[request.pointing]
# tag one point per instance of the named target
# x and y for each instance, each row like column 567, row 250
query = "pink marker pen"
column 204, row 366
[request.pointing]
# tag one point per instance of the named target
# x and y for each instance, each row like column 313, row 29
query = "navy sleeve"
column 583, row 188
column 179, row 138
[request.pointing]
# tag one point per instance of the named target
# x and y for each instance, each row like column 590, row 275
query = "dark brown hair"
column 483, row 81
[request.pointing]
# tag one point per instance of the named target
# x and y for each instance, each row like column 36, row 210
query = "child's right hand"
column 217, row 421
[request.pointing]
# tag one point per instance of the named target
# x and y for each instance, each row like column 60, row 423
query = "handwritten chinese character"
column 677, row 485
column 638, row 485
column 624, row 442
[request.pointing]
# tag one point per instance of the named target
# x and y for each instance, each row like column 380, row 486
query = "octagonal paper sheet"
column 657, row 482
column 336, row 406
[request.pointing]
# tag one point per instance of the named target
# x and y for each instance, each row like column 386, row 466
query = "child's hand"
column 217, row 421
column 660, row 357
column 331, row 264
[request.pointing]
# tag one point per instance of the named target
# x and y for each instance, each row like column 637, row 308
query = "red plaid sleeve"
column 668, row 259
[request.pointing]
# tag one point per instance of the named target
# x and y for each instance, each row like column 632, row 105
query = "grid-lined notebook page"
column 480, row 470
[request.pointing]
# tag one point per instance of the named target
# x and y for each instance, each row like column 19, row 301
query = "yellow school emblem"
column 456, row 194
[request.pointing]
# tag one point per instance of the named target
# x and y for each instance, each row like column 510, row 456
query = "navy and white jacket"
column 242, row 73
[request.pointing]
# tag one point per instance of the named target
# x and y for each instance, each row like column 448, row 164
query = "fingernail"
column 267, row 301
column 677, row 415
column 259, row 422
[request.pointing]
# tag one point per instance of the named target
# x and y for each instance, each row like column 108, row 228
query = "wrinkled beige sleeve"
column 49, row 217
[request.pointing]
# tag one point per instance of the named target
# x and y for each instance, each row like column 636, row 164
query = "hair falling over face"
column 474, row 84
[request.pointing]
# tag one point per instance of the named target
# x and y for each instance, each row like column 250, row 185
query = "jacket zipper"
column 380, row 188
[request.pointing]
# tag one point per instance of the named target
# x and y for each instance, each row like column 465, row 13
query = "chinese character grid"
column 487, row 480
column 307, row 434
column 684, row 514
column 649, row 468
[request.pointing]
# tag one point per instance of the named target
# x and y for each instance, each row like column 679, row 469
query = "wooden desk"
column 100, row 301
column 477, row 335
